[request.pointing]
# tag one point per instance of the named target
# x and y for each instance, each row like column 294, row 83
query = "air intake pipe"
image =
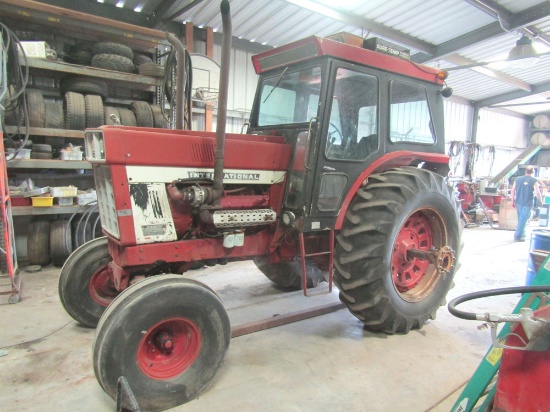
column 180, row 79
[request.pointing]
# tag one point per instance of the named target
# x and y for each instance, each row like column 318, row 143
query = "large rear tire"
column 85, row 285
column 288, row 275
column 172, row 333
column 381, row 284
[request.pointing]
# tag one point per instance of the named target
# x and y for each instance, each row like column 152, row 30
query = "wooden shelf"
column 41, row 131
column 136, row 81
column 48, row 164
column 85, row 25
column 52, row 210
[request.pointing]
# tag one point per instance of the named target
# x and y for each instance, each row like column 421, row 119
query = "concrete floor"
column 324, row 363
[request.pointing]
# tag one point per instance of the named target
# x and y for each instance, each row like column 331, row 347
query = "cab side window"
column 410, row 119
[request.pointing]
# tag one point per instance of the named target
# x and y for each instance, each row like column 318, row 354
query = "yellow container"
column 42, row 201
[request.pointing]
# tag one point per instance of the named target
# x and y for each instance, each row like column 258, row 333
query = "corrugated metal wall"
column 506, row 133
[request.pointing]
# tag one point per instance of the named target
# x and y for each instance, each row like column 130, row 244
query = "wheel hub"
column 407, row 269
column 101, row 287
column 169, row 348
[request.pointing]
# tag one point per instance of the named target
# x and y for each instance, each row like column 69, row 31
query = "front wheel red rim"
column 169, row 348
column 101, row 287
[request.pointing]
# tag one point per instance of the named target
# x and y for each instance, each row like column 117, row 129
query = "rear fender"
column 438, row 163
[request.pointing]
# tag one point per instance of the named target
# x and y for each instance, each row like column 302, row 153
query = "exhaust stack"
column 222, row 101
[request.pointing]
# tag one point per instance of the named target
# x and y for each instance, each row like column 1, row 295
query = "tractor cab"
column 345, row 109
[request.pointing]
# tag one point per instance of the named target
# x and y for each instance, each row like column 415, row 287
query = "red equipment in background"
column 8, row 260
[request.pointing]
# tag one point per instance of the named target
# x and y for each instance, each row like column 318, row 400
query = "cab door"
column 349, row 137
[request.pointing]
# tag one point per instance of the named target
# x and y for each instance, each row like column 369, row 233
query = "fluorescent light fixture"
column 120, row 4
column 138, row 8
column 101, row 1
column 523, row 54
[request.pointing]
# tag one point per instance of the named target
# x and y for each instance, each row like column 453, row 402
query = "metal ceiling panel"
column 277, row 22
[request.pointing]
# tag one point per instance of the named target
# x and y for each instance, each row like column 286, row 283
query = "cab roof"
column 311, row 47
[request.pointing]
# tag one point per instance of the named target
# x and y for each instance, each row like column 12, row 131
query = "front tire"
column 167, row 336
column 85, row 285
column 380, row 283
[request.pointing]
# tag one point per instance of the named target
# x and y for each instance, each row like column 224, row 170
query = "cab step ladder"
column 304, row 255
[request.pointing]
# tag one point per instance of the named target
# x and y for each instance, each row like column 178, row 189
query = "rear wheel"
column 288, row 275
column 173, row 332
column 85, row 285
column 396, row 251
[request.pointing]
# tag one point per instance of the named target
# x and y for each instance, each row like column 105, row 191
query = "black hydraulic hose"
column 486, row 293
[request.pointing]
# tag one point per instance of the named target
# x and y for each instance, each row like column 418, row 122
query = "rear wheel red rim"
column 101, row 287
column 169, row 348
column 409, row 273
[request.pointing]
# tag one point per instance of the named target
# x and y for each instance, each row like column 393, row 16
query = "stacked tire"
column 36, row 110
column 83, row 102
column 147, row 115
column 53, row 241
column 113, row 56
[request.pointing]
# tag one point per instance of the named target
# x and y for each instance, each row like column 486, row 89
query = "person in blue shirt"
column 523, row 193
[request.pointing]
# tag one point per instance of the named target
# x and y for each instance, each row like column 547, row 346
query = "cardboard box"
column 35, row 48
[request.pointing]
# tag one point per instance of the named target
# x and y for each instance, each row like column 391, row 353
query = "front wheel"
column 85, row 283
column 396, row 252
column 167, row 336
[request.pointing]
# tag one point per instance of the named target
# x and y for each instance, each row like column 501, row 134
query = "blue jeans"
column 524, row 212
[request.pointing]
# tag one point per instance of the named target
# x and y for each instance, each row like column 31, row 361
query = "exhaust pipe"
column 180, row 78
column 222, row 101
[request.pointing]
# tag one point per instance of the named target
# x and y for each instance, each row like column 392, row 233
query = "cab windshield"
column 290, row 96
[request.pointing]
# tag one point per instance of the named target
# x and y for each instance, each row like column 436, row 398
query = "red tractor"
column 342, row 172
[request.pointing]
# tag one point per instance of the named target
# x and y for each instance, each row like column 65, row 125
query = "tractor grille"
column 106, row 200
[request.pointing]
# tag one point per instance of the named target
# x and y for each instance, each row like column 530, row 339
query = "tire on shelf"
column 144, row 115
column 85, row 86
column 55, row 118
column 113, row 48
column 82, row 57
column 36, row 108
column 158, row 119
column 288, row 275
column 38, row 242
column 107, row 112
column 95, row 112
column 380, row 283
column 140, row 58
column 85, row 286
column 113, row 62
column 42, row 148
column 151, row 69
column 41, row 155
column 127, row 117
column 174, row 333
column 60, row 241
column 75, row 111
column 55, row 142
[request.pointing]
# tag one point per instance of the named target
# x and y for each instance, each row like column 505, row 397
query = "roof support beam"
column 367, row 24
column 519, row 21
column 520, row 84
column 517, row 94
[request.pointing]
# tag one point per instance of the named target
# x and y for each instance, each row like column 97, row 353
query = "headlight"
column 94, row 146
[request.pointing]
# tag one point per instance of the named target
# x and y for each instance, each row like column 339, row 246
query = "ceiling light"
column 120, row 4
column 138, row 8
column 523, row 54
